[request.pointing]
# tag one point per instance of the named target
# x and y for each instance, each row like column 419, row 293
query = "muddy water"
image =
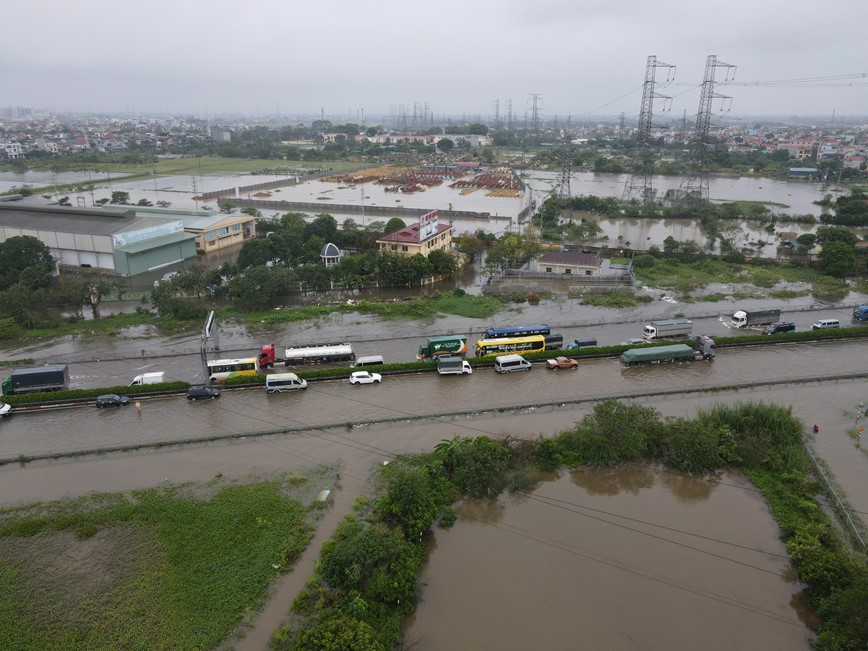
column 624, row 558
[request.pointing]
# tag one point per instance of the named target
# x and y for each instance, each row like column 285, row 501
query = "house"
column 426, row 236
column 576, row 263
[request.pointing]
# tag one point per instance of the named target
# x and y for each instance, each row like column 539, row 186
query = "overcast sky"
column 584, row 58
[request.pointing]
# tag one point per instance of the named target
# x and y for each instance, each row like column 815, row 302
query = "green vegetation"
column 366, row 578
column 168, row 568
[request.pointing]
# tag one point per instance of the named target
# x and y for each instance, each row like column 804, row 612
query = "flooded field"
column 617, row 558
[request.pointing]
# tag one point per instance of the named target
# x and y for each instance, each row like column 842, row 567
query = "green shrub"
column 85, row 394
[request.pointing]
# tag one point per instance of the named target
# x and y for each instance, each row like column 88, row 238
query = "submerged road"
column 389, row 339
column 325, row 404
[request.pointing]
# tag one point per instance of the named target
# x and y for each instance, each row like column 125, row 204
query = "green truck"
column 703, row 348
column 448, row 345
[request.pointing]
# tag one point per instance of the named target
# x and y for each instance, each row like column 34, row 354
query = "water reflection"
column 687, row 488
column 481, row 511
column 612, row 480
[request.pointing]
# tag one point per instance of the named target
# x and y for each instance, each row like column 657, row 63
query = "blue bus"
column 518, row 331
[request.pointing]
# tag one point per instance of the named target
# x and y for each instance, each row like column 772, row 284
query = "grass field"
column 162, row 569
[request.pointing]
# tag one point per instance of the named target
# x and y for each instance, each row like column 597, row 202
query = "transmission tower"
column 694, row 182
column 497, row 114
column 564, row 193
column 536, row 99
column 509, row 115
column 638, row 186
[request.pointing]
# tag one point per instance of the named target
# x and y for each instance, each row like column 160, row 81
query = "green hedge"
column 84, row 394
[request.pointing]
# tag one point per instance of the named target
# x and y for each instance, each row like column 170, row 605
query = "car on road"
column 633, row 342
column 111, row 400
column 365, row 377
column 5, row 409
column 562, row 362
column 201, row 392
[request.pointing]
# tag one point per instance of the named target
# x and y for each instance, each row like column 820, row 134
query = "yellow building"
column 216, row 232
column 426, row 236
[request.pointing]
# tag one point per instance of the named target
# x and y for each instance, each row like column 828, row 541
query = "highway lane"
column 407, row 397
column 395, row 346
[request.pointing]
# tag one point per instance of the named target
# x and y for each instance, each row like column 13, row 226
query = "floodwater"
column 615, row 558
column 602, row 563
column 422, row 398
column 41, row 178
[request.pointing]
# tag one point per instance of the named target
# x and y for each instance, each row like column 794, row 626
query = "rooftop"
column 571, row 258
column 410, row 234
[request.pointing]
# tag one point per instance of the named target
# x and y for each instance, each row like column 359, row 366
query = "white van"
column 370, row 360
column 825, row 324
column 510, row 363
column 148, row 378
column 278, row 382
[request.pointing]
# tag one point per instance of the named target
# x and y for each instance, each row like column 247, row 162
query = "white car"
column 365, row 377
column 5, row 409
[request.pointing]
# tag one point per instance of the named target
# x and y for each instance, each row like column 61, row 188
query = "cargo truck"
column 453, row 366
column 669, row 328
column 751, row 318
column 317, row 354
column 581, row 343
column 703, row 348
column 148, row 378
column 54, row 377
column 861, row 313
column 447, row 345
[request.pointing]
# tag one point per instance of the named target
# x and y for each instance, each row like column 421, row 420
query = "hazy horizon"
column 351, row 59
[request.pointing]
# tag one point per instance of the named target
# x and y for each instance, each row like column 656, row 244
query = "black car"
column 111, row 400
column 779, row 327
column 202, row 393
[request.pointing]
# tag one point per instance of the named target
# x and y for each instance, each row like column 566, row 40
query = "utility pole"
column 638, row 186
column 694, row 181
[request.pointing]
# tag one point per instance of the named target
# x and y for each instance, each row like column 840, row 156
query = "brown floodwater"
column 617, row 558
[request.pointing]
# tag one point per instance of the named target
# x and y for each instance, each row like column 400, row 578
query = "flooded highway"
column 165, row 420
column 612, row 558
column 397, row 340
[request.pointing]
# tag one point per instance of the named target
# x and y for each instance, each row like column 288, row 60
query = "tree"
column 339, row 633
column 26, row 258
column 164, row 204
column 442, row 263
column 120, row 198
column 445, row 145
column 807, row 240
column 394, row 224
column 838, row 259
column 253, row 212
column 829, row 234
column 255, row 253
column 371, row 132
column 293, row 223
column 144, row 202
column 477, row 129
column 101, row 202
column 323, row 225
column 225, row 207
column 63, row 201
column 259, row 286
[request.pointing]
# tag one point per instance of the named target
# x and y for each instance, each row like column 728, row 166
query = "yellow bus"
column 221, row 369
column 501, row 346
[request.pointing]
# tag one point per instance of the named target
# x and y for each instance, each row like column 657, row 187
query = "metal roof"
column 155, row 242
column 571, row 258
column 65, row 220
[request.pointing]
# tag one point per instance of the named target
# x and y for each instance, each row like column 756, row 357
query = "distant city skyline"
column 351, row 59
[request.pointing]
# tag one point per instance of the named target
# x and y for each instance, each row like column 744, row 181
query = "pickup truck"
column 558, row 363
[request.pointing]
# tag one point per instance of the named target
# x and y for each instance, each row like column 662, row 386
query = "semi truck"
column 54, row 377
column 447, row 345
column 669, row 328
column 703, row 348
column 453, row 366
column 296, row 356
column 751, row 318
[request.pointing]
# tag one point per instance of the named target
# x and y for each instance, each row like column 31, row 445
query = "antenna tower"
column 694, row 182
column 638, row 186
